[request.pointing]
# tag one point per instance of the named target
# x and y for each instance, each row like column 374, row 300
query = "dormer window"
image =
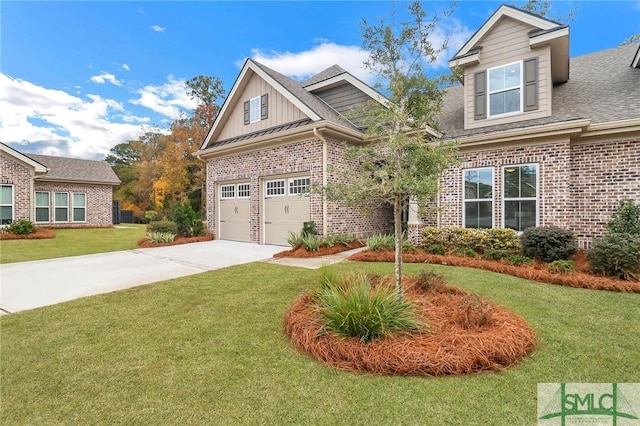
column 256, row 109
column 505, row 94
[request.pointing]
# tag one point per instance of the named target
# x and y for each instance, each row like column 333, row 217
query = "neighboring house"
column 55, row 191
column 544, row 140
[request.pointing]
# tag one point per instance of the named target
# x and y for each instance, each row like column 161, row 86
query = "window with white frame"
column 61, row 207
column 79, row 207
column 254, row 109
column 520, row 196
column 43, row 209
column 244, row 190
column 478, row 198
column 227, row 191
column 505, row 89
column 6, row 204
column 299, row 186
column 275, row 188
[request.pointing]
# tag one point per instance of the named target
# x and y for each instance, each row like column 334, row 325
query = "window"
column 227, row 191
column 244, row 190
column 299, row 186
column 6, row 204
column 505, row 89
column 478, row 198
column 275, row 187
column 61, row 206
column 79, row 207
column 254, row 109
column 42, row 206
column 520, row 195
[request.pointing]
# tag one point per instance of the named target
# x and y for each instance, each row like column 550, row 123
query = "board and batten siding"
column 345, row 99
column 280, row 110
column 506, row 43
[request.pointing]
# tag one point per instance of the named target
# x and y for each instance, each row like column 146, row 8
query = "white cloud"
column 58, row 123
column 169, row 99
column 126, row 67
column 104, row 77
column 457, row 35
column 158, row 28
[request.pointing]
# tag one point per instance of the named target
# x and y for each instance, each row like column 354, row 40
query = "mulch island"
column 464, row 334
column 536, row 271
column 301, row 252
column 40, row 234
column 145, row 243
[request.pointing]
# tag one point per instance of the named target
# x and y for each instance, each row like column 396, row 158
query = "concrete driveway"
column 29, row 285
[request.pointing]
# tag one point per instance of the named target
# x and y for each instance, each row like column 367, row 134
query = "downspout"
column 324, row 179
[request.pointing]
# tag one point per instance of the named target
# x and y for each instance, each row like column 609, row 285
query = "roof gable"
column 38, row 167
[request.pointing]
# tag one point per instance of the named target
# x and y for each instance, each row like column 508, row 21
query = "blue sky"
column 77, row 78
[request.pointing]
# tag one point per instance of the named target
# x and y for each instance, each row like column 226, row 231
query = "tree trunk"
column 397, row 222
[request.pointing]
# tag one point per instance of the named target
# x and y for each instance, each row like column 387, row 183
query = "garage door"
column 286, row 208
column 235, row 208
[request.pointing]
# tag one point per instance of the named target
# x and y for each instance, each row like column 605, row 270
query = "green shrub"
column 430, row 280
column 436, row 249
column 311, row 242
column 294, row 240
column 433, row 237
column 337, row 239
column 502, row 239
column 492, row 254
column 517, row 259
column 309, row 228
column 626, row 219
column 466, row 252
column 616, row 255
column 164, row 226
column 184, row 216
column 366, row 313
column 381, row 242
column 160, row 237
column 150, row 215
column 563, row 267
column 21, row 227
column 549, row 243
column 478, row 240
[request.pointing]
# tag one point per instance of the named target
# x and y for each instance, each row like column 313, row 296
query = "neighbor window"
column 505, row 89
column 61, row 207
column 520, row 196
column 6, row 204
column 42, row 206
column 275, row 187
column 478, row 198
column 227, row 191
column 79, row 207
column 254, row 109
column 299, row 186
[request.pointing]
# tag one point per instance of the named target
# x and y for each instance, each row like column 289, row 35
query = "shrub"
column 492, row 254
column 160, row 237
column 430, row 280
column 433, row 236
column 616, row 255
column 164, row 226
column 502, row 239
column 309, row 228
column 626, row 219
column 473, row 312
column 311, row 242
column 184, row 216
column 478, row 240
column 549, row 243
column 294, row 240
column 563, row 267
column 150, row 215
column 381, row 242
column 436, row 249
column 466, row 252
column 364, row 313
column 337, row 239
column 21, row 227
column 517, row 259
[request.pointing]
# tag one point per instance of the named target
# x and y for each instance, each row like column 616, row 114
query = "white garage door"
column 286, row 208
column 235, row 209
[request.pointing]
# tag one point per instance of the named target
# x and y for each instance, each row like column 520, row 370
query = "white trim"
column 252, row 118
column 55, row 206
column 303, row 194
column 13, row 202
column 73, row 207
column 489, row 92
column 465, row 60
column 346, row 77
column 224, row 195
column 36, row 207
column 536, row 198
column 492, row 199
column 248, row 184
column 538, row 40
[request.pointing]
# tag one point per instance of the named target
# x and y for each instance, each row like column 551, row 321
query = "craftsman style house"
column 55, row 191
column 544, row 140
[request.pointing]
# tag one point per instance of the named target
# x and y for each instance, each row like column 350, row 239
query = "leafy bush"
column 626, row 219
column 294, row 240
column 164, row 226
column 21, row 227
column 478, row 240
column 503, row 239
column 466, row 252
column 563, row 267
column 436, row 249
column 517, row 259
column 492, row 254
column 185, row 218
column 549, row 243
column 160, row 237
column 365, row 313
column 381, row 242
column 150, row 215
column 430, row 280
column 434, row 237
column 311, row 242
column 309, row 228
column 616, row 255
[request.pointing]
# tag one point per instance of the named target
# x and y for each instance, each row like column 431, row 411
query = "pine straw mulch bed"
column 536, row 271
column 466, row 334
column 40, row 234
column 301, row 252
column 144, row 242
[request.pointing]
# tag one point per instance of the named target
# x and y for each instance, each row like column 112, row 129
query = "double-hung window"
column 520, row 196
column 43, row 206
column 505, row 89
column 254, row 109
column 478, row 198
column 79, row 207
column 61, row 207
column 6, row 204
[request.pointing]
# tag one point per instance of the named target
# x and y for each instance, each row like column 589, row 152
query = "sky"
column 79, row 77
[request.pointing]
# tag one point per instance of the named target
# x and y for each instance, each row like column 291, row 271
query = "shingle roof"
column 76, row 170
column 602, row 87
column 330, row 72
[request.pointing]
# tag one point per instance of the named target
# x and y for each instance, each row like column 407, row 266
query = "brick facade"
column 20, row 176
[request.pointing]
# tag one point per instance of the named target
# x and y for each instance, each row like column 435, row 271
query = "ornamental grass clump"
column 21, row 227
column 354, row 308
column 381, row 242
column 160, row 237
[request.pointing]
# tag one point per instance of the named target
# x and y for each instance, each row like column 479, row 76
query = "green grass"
column 72, row 242
column 209, row 349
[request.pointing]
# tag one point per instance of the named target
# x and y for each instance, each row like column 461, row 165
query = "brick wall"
column 19, row 175
column 99, row 200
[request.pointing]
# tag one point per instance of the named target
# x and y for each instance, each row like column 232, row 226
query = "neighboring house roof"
column 62, row 169
column 37, row 166
column 603, row 88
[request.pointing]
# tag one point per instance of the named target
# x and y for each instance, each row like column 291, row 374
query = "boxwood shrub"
column 616, row 255
column 549, row 243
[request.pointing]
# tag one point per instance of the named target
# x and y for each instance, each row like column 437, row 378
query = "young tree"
column 403, row 161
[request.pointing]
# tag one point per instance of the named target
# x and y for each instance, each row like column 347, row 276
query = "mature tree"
column 403, row 162
column 543, row 8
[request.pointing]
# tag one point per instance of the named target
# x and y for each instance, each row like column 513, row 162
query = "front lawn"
column 210, row 349
column 72, row 242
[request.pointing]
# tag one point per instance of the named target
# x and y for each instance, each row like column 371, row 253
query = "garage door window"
column 275, row 188
column 299, row 186
column 244, row 190
column 227, row 191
